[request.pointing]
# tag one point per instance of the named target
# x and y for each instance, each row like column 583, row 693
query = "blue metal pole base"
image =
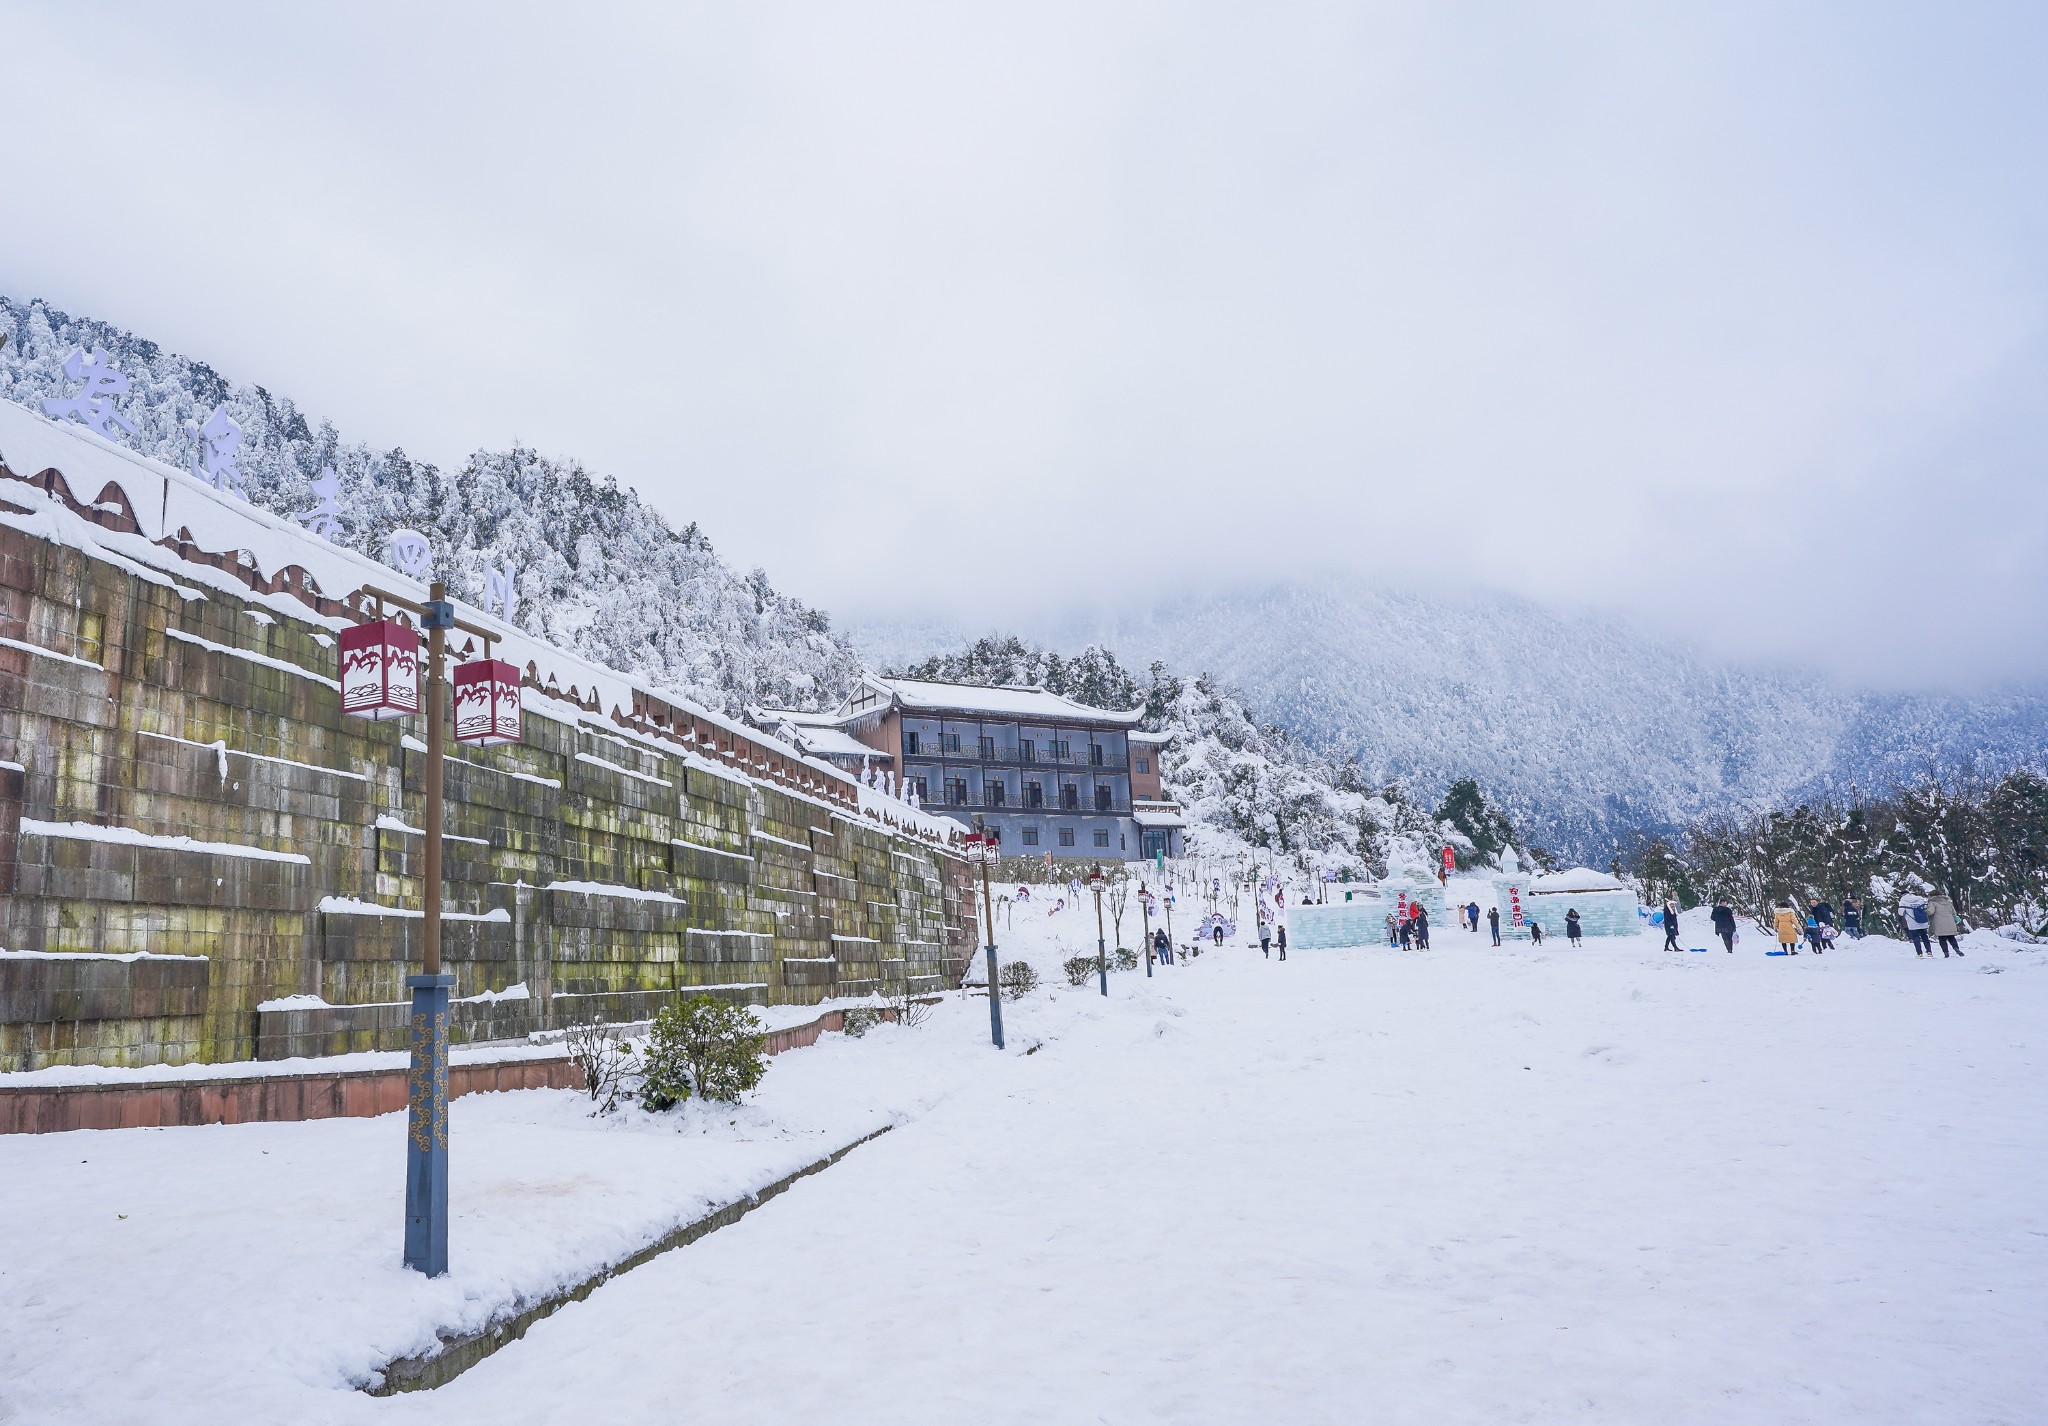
column 995, row 1002
column 426, row 1127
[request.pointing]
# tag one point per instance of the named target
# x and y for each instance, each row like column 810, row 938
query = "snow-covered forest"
column 1583, row 727
column 1984, row 840
column 597, row 569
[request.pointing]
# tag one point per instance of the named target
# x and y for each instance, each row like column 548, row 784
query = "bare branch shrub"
column 606, row 1059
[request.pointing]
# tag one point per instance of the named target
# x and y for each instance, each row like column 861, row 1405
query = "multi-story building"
column 1044, row 773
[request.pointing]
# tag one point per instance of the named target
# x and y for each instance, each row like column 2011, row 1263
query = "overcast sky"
column 1731, row 316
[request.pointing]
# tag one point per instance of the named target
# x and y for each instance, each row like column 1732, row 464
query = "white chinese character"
column 94, row 406
column 411, row 553
column 324, row 519
column 219, row 440
column 501, row 593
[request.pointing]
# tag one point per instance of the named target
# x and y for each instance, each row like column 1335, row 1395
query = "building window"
column 1121, row 844
column 1030, row 836
column 924, row 794
column 1095, row 754
column 949, row 742
column 994, row 790
column 1034, row 794
column 1144, row 764
column 988, row 750
column 1066, row 836
column 1104, row 799
column 1102, row 836
column 1027, row 750
column 1070, row 797
column 910, row 740
column 1059, row 750
column 956, row 791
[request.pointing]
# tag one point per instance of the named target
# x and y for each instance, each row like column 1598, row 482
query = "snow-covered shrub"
column 702, row 1046
column 1079, row 969
column 861, row 1019
column 1018, row 979
column 606, row 1058
column 1126, row 958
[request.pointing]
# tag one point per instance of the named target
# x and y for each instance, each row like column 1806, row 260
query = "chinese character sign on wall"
column 324, row 519
column 220, row 442
column 92, row 407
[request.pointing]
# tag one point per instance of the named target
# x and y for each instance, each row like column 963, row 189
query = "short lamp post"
column 1096, row 881
column 1145, row 909
column 380, row 670
column 985, row 848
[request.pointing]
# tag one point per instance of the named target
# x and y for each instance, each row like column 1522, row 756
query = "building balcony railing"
column 1012, row 757
column 1116, row 806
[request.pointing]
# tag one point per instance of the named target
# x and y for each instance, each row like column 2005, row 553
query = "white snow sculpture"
column 411, row 553
column 92, row 407
column 219, row 441
column 324, row 519
column 501, row 592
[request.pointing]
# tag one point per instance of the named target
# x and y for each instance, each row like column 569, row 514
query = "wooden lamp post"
column 380, row 680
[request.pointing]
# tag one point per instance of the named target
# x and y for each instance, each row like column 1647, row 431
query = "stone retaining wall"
column 133, row 707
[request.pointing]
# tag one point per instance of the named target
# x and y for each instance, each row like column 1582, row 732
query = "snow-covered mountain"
column 597, row 569
column 1581, row 727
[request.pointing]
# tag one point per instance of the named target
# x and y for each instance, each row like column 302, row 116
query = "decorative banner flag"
column 487, row 702
column 380, row 670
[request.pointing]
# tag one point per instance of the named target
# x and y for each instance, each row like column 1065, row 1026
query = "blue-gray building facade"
column 1063, row 788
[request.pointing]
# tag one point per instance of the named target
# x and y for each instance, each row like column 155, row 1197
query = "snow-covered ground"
column 1468, row 1186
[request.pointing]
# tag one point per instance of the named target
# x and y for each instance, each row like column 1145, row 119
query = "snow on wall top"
column 167, row 503
column 1579, row 879
column 921, row 696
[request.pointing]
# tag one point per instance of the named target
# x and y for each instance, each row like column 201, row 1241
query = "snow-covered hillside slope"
column 1581, row 728
column 598, row 570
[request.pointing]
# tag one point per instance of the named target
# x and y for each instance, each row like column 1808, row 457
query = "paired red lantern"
column 486, row 702
column 380, row 670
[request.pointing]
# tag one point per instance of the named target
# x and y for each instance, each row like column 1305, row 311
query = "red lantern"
column 486, row 702
column 380, row 670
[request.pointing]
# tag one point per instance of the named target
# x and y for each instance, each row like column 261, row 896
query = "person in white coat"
column 1913, row 921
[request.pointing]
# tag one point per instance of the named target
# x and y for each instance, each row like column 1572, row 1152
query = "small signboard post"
column 1450, row 865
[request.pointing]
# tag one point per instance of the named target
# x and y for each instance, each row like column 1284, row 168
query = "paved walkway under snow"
column 1609, row 1185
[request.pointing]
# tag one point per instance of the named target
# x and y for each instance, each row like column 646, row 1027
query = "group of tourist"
column 1468, row 917
column 1925, row 920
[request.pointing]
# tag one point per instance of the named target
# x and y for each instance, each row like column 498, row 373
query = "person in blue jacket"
column 1472, row 915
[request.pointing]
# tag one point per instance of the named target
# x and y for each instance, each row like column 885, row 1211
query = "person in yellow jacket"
column 1788, row 929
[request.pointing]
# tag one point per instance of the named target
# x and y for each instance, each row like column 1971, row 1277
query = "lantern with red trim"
column 486, row 702
column 380, row 670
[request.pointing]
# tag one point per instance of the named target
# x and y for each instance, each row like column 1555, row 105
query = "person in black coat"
column 1571, row 925
column 1852, row 918
column 1493, row 924
column 1724, row 923
column 1421, row 928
